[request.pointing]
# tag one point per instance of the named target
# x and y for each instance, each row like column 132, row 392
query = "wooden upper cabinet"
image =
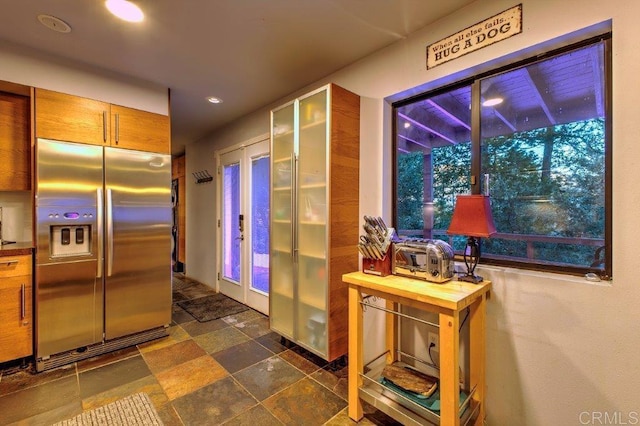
column 140, row 130
column 75, row 119
column 71, row 118
column 15, row 142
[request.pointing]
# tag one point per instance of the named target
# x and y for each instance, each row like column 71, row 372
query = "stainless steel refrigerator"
column 103, row 258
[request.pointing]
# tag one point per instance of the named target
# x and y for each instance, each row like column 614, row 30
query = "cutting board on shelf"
column 410, row 379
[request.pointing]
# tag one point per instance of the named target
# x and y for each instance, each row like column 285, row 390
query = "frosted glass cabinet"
column 314, row 217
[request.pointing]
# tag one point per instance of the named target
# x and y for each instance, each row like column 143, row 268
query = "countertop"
column 16, row 249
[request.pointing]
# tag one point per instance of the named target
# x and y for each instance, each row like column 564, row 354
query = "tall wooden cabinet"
column 15, row 142
column 314, row 217
column 71, row 118
column 16, row 325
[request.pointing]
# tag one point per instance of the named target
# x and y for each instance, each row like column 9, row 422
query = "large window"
column 536, row 138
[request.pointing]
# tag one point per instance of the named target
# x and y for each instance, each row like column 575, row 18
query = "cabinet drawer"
column 14, row 266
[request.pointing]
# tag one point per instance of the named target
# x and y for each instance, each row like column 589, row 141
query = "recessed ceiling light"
column 214, row 100
column 492, row 102
column 55, row 24
column 125, row 10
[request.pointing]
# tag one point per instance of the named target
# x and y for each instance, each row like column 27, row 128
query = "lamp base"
column 470, row 278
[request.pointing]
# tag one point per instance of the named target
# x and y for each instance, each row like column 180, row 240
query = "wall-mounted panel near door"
column 243, row 218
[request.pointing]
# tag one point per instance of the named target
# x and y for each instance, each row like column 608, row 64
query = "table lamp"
column 472, row 218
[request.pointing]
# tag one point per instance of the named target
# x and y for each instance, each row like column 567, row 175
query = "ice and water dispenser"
column 70, row 239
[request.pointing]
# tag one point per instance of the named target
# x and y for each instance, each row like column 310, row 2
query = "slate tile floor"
column 231, row 371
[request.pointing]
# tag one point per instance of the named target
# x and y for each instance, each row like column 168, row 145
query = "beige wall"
column 32, row 68
column 557, row 346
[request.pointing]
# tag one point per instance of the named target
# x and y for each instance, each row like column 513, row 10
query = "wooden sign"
column 497, row 28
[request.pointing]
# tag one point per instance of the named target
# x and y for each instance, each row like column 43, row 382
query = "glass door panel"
column 282, row 271
column 260, row 224
column 312, row 221
column 231, row 233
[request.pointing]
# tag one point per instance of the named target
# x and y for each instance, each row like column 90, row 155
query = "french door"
column 243, row 254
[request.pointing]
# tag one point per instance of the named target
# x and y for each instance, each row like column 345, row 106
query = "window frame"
column 476, row 145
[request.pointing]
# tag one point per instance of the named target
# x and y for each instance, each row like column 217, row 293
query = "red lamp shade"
column 472, row 217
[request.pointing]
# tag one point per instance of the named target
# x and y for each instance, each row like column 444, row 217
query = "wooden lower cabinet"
column 16, row 311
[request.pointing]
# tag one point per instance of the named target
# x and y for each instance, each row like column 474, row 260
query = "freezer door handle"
column 109, row 232
column 100, row 226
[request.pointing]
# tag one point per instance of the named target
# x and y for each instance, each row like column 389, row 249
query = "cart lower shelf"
column 403, row 409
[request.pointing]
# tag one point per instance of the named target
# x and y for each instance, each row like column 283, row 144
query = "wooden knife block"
column 379, row 267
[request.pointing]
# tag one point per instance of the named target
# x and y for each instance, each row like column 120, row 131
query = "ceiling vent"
column 54, row 23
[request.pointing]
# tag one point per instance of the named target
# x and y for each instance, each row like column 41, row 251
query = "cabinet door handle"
column 104, row 125
column 117, row 128
column 23, row 298
column 9, row 262
column 293, row 205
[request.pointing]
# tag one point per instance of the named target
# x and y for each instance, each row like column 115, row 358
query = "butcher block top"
column 452, row 295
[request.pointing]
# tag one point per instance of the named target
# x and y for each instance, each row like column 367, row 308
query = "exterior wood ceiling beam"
column 450, row 115
column 537, row 94
column 427, row 128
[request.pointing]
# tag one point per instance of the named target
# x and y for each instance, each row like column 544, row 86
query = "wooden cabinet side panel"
column 178, row 172
column 140, row 130
column 344, row 210
column 71, row 118
column 178, row 167
column 182, row 220
column 15, row 142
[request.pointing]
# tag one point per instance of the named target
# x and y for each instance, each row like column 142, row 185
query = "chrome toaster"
column 430, row 260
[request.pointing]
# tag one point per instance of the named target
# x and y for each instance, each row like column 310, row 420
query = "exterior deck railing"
column 530, row 239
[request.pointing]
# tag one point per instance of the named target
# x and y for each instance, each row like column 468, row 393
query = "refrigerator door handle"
column 100, row 232
column 109, row 232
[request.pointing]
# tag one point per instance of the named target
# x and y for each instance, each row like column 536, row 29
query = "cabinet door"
column 312, row 219
column 140, row 130
column 15, row 145
column 71, row 118
column 15, row 308
column 281, row 287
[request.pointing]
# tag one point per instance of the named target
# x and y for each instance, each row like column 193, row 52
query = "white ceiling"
column 247, row 52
